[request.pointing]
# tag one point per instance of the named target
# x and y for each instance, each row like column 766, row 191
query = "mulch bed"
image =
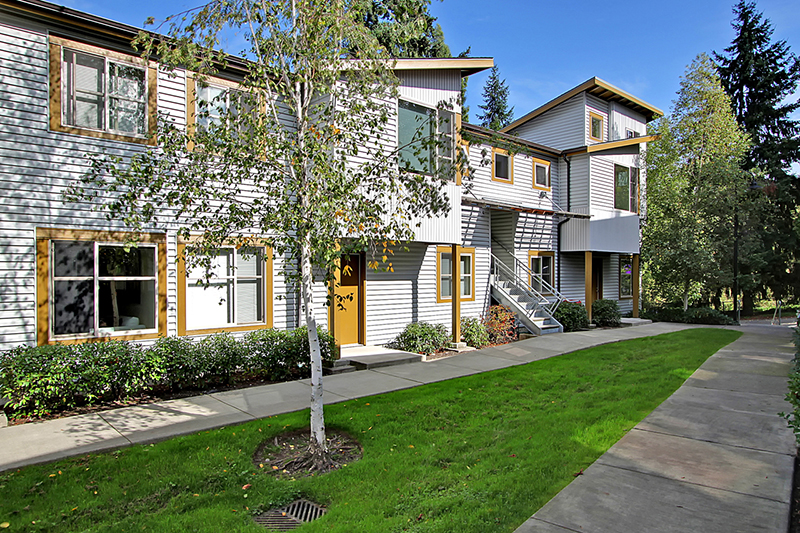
column 284, row 456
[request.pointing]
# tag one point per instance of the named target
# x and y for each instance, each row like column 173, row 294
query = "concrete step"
column 366, row 362
column 338, row 369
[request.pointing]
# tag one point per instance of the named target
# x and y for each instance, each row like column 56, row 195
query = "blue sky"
column 545, row 48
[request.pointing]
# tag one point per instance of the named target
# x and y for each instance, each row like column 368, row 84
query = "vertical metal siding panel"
column 602, row 191
column 430, row 87
column 579, row 184
column 573, row 284
column 623, row 118
column 561, row 127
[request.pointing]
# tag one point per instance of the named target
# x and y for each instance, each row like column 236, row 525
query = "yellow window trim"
column 510, row 179
column 56, row 45
column 536, row 161
column 600, row 117
column 268, row 308
column 623, row 257
column 455, row 268
column 43, row 238
column 541, row 253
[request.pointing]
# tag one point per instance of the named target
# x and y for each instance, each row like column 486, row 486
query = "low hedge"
column 45, row 379
column 793, row 396
column 605, row 313
column 693, row 315
column 422, row 338
column 572, row 316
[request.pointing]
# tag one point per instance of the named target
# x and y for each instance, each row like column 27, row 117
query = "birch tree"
column 297, row 156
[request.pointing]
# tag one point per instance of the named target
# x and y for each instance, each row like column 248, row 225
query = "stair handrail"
column 525, row 282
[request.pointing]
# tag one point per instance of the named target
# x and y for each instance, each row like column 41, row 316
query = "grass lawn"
column 475, row 454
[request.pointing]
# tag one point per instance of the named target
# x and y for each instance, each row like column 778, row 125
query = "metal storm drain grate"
column 291, row 516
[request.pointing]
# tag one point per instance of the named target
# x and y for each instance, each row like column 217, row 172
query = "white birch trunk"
column 317, row 414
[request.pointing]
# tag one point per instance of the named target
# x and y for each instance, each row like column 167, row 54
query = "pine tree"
column 759, row 75
column 404, row 28
column 496, row 114
column 464, row 80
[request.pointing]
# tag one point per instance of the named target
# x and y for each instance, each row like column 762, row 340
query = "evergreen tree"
column 404, row 28
column 464, row 80
column 759, row 75
column 496, row 114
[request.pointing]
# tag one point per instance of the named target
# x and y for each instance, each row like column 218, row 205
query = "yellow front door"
column 348, row 304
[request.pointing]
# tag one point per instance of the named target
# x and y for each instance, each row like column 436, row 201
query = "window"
column 502, row 166
column 541, row 174
column 417, row 125
column 541, row 266
column 626, row 276
column 630, row 134
column 102, row 94
column 466, row 269
column 215, row 103
column 626, row 188
column 99, row 285
column 235, row 297
column 595, row 127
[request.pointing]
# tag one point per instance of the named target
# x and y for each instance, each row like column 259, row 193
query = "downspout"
column 558, row 228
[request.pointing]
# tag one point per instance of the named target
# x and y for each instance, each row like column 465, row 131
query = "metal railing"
column 526, row 281
column 508, row 280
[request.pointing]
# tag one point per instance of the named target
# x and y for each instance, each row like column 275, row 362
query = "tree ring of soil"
column 287, row 455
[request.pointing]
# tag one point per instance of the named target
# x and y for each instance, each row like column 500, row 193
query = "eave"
column 466, row 66
column 493, row 204
column 489, row 135
column 612, row 145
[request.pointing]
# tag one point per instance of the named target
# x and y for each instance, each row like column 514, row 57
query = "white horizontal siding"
column 573, row 276
column 561, row 127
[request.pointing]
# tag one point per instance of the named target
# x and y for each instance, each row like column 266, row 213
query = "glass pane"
column 414, row 129
column 625, row 277
column 89, row 72
column 541, row 176
column 221, row 266
column 466, row 286
column 127, row 116
column 466, row 265
column 446, row 286
column 445, row 268
column 89, row 111
column 127, row 81
column 622, row 184
column 597, row 128
column 547, row 269
column 634, row 190
column 211, row 105
column 249, row 261
column 73, row 307
column 249, row 301
column 209, row 307
column 73, row 259
column 119, row 261
column 501, row 166
column 127, row 305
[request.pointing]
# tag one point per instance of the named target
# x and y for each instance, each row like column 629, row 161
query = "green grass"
column 475, row 454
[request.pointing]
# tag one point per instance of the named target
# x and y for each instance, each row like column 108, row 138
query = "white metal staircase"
column 511, row 285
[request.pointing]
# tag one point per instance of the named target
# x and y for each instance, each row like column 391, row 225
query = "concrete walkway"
column 714, row 457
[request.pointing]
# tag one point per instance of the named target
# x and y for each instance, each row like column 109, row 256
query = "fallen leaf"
column 579, row 473
column 513, row 455
column 5, row 525
column 274, row 467
column 52, row 475
column 195, row 495
column 410, row 445
column 246, row 486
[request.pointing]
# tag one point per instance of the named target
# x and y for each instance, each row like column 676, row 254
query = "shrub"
column 501, row 324
column 707, row 315
column 664, row 314
column 474, row 332
column 605, row 313
column 177, row 357
column 572, row 316
column 421, row 337
column 223, row 357
column 793, row 396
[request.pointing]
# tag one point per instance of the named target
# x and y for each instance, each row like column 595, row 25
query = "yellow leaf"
column 52, row 475
column 410, row 445
column 274, row 467
column 384, row 258
column 245, row 487
column 6, row 524
column 195, row 495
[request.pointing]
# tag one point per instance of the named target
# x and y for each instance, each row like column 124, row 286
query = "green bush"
column 695, row 315
column 473, row 332
column 421, row 337
column 605, row 313
column 572, row 316
column 44, row 379
column 501, row 324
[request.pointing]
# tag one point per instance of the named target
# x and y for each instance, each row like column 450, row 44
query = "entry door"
column 597, row 279
column 348, row 310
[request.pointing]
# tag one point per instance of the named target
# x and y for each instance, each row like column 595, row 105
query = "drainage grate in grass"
column 291, row 516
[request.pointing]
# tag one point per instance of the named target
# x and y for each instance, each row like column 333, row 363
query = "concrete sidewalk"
column 714, row 457
column 55, row 439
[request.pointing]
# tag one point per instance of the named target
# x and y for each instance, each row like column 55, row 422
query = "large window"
column 215, row 103
column 232, row 292
column 466, row 273
column 626, row 276
column 626, row 188
column 100, row 93
column 98, row 288
column 502, row 166
column 417, row 125
column 541, row 265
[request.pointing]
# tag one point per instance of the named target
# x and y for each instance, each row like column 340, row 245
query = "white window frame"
column 633, row 188
column 625, row 260
column 541, row 163
column 69, row 95
column 438, row 116
column 446, row 280
column 537, row 275
column 97, row 331
column 235, row 277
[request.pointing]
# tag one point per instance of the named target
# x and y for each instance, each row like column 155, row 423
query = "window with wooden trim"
column 100, row 93
column 95, row 285
column 542, row 267
column 631, row 134
column 541, row 174
column 626, row 188
column 502, row 166
column 418, row 149
column 445, row 271
column 626, row 276
column 596, row 126
column 232, row 292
